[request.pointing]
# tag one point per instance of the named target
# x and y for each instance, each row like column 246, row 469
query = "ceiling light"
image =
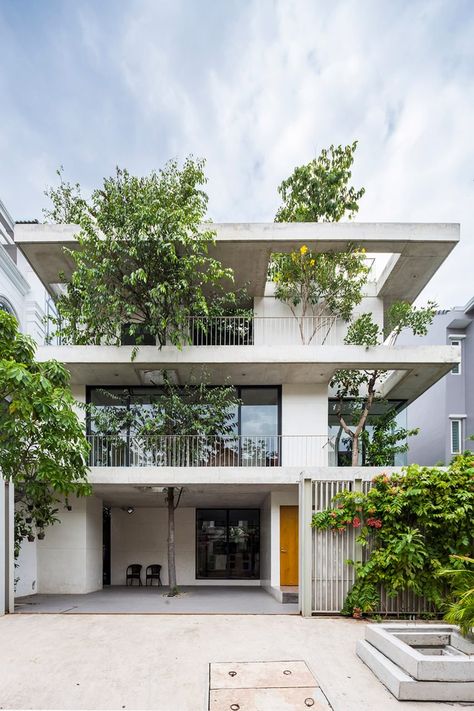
column 128, row 509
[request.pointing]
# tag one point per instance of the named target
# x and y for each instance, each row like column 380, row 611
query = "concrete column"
column 306, row 548
column 7, row 550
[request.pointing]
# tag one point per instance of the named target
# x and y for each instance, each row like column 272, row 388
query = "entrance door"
column 288, row 545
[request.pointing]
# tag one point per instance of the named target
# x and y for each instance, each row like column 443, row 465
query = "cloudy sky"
column 254, row 86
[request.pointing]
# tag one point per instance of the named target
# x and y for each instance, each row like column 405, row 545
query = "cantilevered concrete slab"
column 418, row 366
column 418, row 249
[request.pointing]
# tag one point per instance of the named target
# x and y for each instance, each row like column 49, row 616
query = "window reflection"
column 228, row 543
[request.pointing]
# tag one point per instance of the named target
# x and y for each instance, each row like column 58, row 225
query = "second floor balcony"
column 247, row 330
column 205, row 451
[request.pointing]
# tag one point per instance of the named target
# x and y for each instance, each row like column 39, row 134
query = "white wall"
column 279, row 498
column 26, row 570
column 141, row 537
column 304, row 411
column 70, row 556
column 266, row 542
column 285, row 330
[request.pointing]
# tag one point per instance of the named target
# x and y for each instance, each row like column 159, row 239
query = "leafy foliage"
column 43, row 450
column 364, row 385
column 320, row 191
column 385, row 440
column 410, row 524
column 314, row 285
column 194, row 408
column 461, row 611
column 143, row 264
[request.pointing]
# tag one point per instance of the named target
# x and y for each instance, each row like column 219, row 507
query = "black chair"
column 134, row 572
column 153, row 573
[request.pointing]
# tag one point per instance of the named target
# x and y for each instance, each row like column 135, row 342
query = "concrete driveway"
column 199, row 599
column 161, row 662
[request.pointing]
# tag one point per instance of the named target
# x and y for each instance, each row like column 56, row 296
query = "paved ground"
column 194, row 599
column 161, row 661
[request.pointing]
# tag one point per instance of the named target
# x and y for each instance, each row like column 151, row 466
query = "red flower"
column 356, row 522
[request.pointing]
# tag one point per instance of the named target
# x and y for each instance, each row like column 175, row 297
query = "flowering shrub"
column 414, row 521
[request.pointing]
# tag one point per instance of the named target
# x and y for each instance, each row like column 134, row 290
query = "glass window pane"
column 455, row 436
column 228, row 543
column 211, row 542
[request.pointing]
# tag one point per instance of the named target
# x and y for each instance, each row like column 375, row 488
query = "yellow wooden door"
column 288, row 545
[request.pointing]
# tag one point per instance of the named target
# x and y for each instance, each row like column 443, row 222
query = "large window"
column 228, row 544
column 340, row 444
column 254, row 440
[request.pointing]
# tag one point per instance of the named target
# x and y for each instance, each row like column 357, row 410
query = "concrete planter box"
column 423, row 662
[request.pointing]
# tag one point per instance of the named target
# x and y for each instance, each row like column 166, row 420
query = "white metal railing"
column 250, row 331
column 201, row 451
column 262, row 330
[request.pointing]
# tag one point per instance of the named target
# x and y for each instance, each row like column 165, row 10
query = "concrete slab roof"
column 416, row 367
column 418, row 249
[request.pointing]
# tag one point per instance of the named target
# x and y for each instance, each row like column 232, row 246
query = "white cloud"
column 259, row 87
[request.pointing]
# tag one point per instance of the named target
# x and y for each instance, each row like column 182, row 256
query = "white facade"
column 278, row 356
column 22, row 294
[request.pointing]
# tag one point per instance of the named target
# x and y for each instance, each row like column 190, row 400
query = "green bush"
column 414, row 522
column 461, row 611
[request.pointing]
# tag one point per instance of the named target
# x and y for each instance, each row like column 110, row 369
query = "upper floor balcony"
column 250, row 331
column 214, row 451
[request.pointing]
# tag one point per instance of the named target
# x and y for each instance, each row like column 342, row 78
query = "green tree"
column 385, row 440
column 190, row 425
column 43, row 449
column 319, row 191
column 364, row 386
column 142, row 266
column 315, row 286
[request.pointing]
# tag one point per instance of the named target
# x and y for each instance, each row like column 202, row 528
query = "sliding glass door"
column 228, row 544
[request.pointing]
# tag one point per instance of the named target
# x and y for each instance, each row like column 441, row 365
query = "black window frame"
column 227, row 509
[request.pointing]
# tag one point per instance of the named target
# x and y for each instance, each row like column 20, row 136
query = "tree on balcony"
column 143, row 266
column 317, row 286
column 363, row 387
column 43, row 449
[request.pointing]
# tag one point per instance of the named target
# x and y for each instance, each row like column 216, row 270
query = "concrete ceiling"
column 417, row 367
column 201, row 496
column 419, row 249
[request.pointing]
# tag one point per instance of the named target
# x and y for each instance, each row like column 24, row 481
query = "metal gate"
column 331, row 576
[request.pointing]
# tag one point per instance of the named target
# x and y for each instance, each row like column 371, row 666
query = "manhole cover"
column 276, row 686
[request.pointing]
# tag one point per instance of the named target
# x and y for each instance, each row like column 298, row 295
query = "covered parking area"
column 154, row 600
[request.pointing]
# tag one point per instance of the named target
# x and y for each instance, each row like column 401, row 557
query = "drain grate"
column 258, row 686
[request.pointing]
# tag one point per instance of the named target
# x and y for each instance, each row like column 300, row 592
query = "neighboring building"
column 237, row 522
column 445, row 412
column 24, row 296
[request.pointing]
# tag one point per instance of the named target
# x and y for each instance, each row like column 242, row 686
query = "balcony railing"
column 201, row 451
column 262, row 330
column 252, row 331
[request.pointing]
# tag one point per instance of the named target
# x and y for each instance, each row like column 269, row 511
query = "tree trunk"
column 171, row 545
column 355, row 451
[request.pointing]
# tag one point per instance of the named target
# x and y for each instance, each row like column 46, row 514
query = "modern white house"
column 238, row 522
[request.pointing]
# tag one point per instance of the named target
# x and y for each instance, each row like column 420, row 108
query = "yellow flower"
column 303, row 249
column 312, row 262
